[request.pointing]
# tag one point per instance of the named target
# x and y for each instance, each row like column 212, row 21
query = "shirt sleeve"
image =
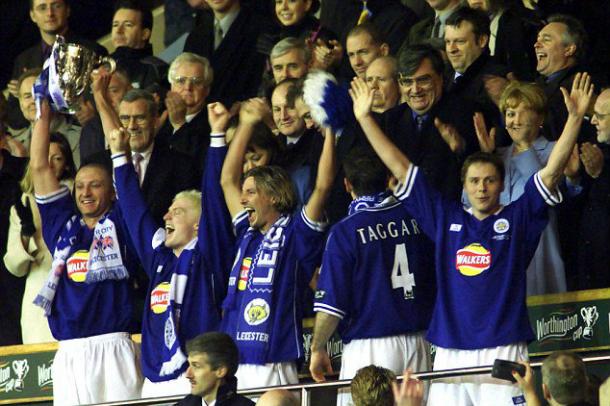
column 335, row 282
column 140, row 224
column 55, row 210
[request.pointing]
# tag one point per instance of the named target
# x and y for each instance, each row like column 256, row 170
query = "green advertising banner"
column 578, row 321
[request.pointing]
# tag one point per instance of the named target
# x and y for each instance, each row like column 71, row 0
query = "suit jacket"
column 557, row 114
column 191, row 139
column 238, row 65
column 427, row 148
column 471, row 87
column 167, row 173
column 226, row 396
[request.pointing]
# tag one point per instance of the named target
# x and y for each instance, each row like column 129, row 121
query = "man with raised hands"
column 87, row 296
column 277, row 253
column 181, row 259
column 482, row 253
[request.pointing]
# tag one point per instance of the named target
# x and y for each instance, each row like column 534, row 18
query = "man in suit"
column 560, row 49
column 51, row 17
column 213, row 360
column 227, row 35
column 162, row 173
column 432, row 128
column 132, row 26
column 186, row 127
column 431, row 29
column 382, row 77
column 472, row 74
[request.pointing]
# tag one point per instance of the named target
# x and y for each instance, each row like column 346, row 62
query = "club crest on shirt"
column 159, row 298
column 256, row 312
column 76, row 266
column 501, row 226
column 472, row 260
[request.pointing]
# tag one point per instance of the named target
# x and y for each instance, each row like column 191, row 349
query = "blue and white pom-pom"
column 330, row 104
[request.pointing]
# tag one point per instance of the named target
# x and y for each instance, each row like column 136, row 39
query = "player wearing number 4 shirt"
column 277, row 253
column 481, row 254
column 376, row 283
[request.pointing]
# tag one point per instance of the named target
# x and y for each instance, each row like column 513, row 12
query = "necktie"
column 419, row 121
column 436, row 28
column 217, row 34
column 137, row 165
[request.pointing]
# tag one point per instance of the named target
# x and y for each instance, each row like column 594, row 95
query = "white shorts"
column 395, row 353
column 177, row 386
column 475, row 390
column 273, row 374
column 96, row 369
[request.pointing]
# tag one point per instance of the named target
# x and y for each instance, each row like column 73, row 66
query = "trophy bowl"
column 73, row 65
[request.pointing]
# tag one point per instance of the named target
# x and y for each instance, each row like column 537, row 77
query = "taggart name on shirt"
column 391, row 229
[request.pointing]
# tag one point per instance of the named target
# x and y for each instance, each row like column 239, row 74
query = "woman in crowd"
column 523, row 106
column 27, row 254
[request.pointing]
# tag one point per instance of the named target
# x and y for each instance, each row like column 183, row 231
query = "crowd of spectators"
column 204, row 194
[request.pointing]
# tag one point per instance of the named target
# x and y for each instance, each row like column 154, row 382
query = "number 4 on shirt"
column 401, row 277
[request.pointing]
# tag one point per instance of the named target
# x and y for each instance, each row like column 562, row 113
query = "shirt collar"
column 147, row 153
column 227, row 21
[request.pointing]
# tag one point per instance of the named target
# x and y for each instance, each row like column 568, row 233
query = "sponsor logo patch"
column 159, row 298
column 472, row 260
column 320, row 294
column 455, row 227
column 243, row 273
column 77, row 266
column 256, row 312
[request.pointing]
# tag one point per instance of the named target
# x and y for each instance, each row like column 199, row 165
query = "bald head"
column 601, row 118
column 277, row 397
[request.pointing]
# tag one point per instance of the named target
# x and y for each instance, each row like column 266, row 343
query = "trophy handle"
column 109, row 62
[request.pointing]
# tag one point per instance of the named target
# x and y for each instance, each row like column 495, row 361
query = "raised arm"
column 577, row 102
column 100, row 79
column 251, row 112
column 45, row 181
column 392, row 157
column 327, row 169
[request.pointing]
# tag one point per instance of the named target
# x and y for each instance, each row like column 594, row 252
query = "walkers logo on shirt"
column 243, row 273
column 77, row 266
column 159, row 298
column 472, row 260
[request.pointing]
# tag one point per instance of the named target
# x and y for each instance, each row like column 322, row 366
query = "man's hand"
column 253, row 111
column 410, row 392
column 100, row 80
column 176, row 109
column 573, row 166
column 592, row 159
column 218, row 117
column 85, row 112
column 13, row 87
column 450, row 136
column 362, row 96
column 118, row 140
column 326, row 55
column 577, row 102
column 494, row 86
column 487, row 140
column 319, row 365
column 527, row 383
column 25, row 215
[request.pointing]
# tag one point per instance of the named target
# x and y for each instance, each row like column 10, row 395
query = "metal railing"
column 306, row 389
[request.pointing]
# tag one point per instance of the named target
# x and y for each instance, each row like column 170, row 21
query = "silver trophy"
column 590, row 316
column 21, row 369
column 70, row 73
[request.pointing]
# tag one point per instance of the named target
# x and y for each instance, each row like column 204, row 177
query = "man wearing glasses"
column 186, row 128
column 431, row 128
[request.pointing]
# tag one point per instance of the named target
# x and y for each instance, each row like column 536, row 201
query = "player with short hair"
column 481, row 253
column 181, row 259
column 377, row 261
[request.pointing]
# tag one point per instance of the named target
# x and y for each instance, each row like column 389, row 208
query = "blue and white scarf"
column 366, row 201
column 172, row 351
column 47, row 85
column 254, row 317
column 105, row 261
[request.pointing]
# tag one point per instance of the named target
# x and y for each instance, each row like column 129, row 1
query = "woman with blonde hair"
column 27, row 254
